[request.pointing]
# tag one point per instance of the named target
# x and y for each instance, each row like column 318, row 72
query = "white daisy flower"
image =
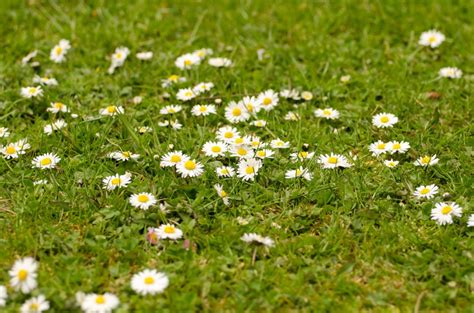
column 149, row 282
column 203, row 110
column 29, row 57
column 222, row 194
column 431, row 38
column 35, row 305
column 427, row 192
column 470, row 221
column 111, row 110
column 307, row 95
column 123, row 155
column 173, row 79
column 185, row 94
column 187, row 61
column 450, row 72
column 168, row 231
column 117, row 181
column 397, row 147
column 257, row 239
column 390, row 163
column 214, row 149
column 144, row 129
column 142, row 200
column 383, row 120
column 236, row 112
column 252, row 105
column 46, row 81
column 443, row 212
column 259, row 123
column 427, row 160
column 242, row 151
column 170, row 109
column 330, row 161
column 301, row 156
column 40, row 182
column 176, row 124
column 240, row 141
column 264, row 154
column 225, row 171
column 4, row 133
column 202, row 87
column 144, row 56
column 328, row 113
column 227, row 134
column 248, row 168
column 3, row 296
column 58, row 53
column 31, row 92
column 190, row 168
column 377, row 148
column 279, row 144
column 268, row 100
column 46, row 161
column 299, row 172
column 256, row 142
column 173, row 158
column 23, row 275
column 118, row 58
column 290, row 94
column 56, row 107
column 15, row 149
column 292, row 116
column 220, row 62
column 56, row 125
column 99, row 303
column 203, row 53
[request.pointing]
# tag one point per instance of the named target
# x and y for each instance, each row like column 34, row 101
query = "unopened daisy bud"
column 137, row 100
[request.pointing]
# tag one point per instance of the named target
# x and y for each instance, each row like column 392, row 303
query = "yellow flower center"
column 228, row 135
column 11, row 150
column 424, row 191
column 216, row 149
column 236, row 112
column 173, row 78
column 202, row 108
column 303, row 154
column 115, row 181
column 188, row 62
column 111, row 109
column 241, row 151
column 381, row 146
column 190, row 165
column 249, row 170
column 384, row 119
column 250, row 107
column 126, row 154
column 327, row 112
column 239, row 140
column 446, row 209
column 32, row 90
column 223, row 194
column 46, row 161
column 118, row 55
column 34, row 307
column 391, row 164
column 100, row 299
column 143, row 198
column 175, row 158
column 261, row 153
column 432, row 39
column 267, row 101
column 58, row 105
column 59, row 50
column 396, row 146
column 426, row 159
column 169, row 229
column 298, row 172
column 224, row 171
column 188, row 93
column 171, row 110
column 22, row 275
column 149, row 280
column 332, row 160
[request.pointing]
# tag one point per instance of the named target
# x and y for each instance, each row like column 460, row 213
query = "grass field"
column 348, row 240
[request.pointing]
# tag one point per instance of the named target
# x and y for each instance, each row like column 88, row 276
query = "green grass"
column 350, row 241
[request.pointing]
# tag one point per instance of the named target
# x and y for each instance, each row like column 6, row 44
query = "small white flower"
column 23, row 275
column 427, row 192
column 35, row 305
column 56, row 107
column 214, row 149
column 203, row 53
column 3, row 296
column 149, row 282
column 397, row 146
column 225, row 171
column 29, row 57
column 390, row 163
column 332, row 161
column 450, row 72
column 292, row 116
column 58, row 53
column 268, row 100
column 187, row 61
column 307, row 95
column 236, row 112
column 111, row 110
column 202, row 87
column 31, row 92
column 279, row 144
column 248, row 168
column 48, row 81
column 56, row 125
column 190, row 168
column 143, row 200
column 427, row 160
column 123, row 155
column 220, row 62
column 46, row 161
column 327, row 113
column 173, row 79
column 99, row 303
column 377, row 148
column 259, row 123
column 299, row 172
column 470, row 221
column 258, row 239
column 144, row 56
column 383, row 120
column 443, row 212
column 185, row 94
column 264, row 154
column 170, row 109
column 4, row 133
column 203, row 110
column 116, row 181
column 173, row 158
column 222, row 194
column 168, row 231
column 431, row 38
column 118, row 58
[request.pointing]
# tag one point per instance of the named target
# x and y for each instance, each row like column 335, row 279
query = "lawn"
column 349, row 239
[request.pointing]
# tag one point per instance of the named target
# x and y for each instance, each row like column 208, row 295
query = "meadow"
column 236, row 156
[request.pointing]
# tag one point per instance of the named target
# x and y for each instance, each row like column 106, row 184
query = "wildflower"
column 333, row 161
column 377, row 148
column 220, row 62
column 56, row 107
column 264, row 154
column 383, row 120
column 187, row 61
column 149, row 281
column 29, row 57
column 152, row 236
column 227, row 134
column 56, row 125
column 46, row 161
column 170, row 109
column 292, row 116
column 173, row 158
column 236, row 112
column 290, row 94
column 390, row 163
column 144, row 56
column 345, row 78
column 248, row 168
column 203, row 53
column 47, row 81
column 327, row 113
column 203, row 110
column 431, row 38
column 307, row 96
column 116, row 181
column 470, row 221
column 99, row 303
column 299, row 172
column 258, row 239
column 190, row 168
column 142, row 200
column 443, row 212
column 225, row 171
column 35, row 305
column 31, row 92
column 23, row 275
column 4, row 133
column 111, row 110
column 268, row 99
column 185, row 94
column 450, row 72
column 202, row 87
column 214, row 149
column 144, row 129
column 397, row 147
column 222, row 194
column 123, row 155
column 427, row 192
column 58, row 53
column 3, row 296
column 242, row 151
column 427, row 160
column 259, row 123
column 251, row 104
column 173, row 79
column 13, row 150
column 279, row 144
column 118, row 58
column 168, row 231
column 302, row 155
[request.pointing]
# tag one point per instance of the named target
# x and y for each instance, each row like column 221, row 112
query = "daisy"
column 257, row 239
column 345, row 79
column 268, row 99
column 427, row 160
column 142, row 200
column 256, row 142
column 203, row 110
column 397, row 146
column 240, row 141
column 11, row 151
column 292, row 116
column 328, row 113
column 236, row 112
column 220, row 62
column 175, row 124
column 290, row 94
column 144, row 129
column 149, row 282
column 301, row 156
column 168, row 231
column 307, row 96
column 118, row 58
column 111, row 110
column 187, row 61
column 56, row 107
column 259, row 123
column 225, row 171
column 3, row 296
column 248, row 168
column 58, row 53
column 144, row 56
column 279, row 144
column 35, row 305
column 46, row 161
column 333, row 161
column 173, row 79
column 203, row 53
column 171, row 109
column 264, row 154
column 202, row 87
column 390, row 163
column 123, row 155
column 242, row 151
column 431, row 38
column 31, row 92
column 443, row 212
column 29, row 57
column 4, row 133
column 227, row 133
column 185, row 94
column 470, row 221
column 383, row 120
column 214, row 149
column 299, row 172
column 427, row 192
column 173, row 158
column 377, row 148
column 117, row 181
column 23, row 275
column 47, row 81
column 56, row 125
column 190, row 168
column 450, row 72
column 99, row 303
column 222, row 194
